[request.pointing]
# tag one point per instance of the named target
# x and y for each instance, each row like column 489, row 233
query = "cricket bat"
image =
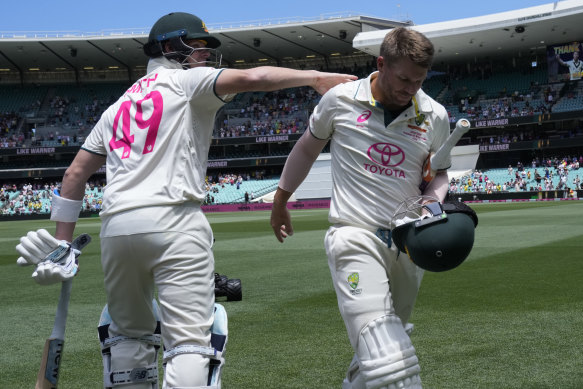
column 48, row 374
column 437, row 161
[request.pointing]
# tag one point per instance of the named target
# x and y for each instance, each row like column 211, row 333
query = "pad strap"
column 65, row 210
column 153, row 340
column 135, row 375
column 190, row 349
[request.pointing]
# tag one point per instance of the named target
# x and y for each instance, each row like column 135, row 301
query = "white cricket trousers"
column 178, row 262
column 371, row 280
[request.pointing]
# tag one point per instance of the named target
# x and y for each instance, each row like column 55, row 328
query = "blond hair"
column 403, row 42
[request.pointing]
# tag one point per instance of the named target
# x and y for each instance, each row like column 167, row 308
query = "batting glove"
column 56, row 260
column 407, row 219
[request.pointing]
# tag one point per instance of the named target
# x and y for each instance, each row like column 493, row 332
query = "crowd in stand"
column 261, row 127
column 287, row 111
column 273, row 113
column 8, row 136
column 24, row 199
column 543, row 175
column 501, row 108
column 27, row 198
column 516, row 104
column 546, row 175
column 60, row 139
column 69, row 112
column 214, row 184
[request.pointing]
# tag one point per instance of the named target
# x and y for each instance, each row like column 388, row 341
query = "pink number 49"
column 152, row 124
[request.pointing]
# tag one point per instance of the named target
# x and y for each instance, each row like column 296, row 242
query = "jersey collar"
column 155, row 63
column 419, row 103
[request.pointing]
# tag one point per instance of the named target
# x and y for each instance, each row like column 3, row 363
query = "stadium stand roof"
column 271, row 41
column 524, row 32
column 520, row 32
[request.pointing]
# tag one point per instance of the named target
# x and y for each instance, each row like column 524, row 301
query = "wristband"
column 65, row 210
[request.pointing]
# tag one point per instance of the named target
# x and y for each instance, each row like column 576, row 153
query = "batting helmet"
column 441, row 241
column 177, row 26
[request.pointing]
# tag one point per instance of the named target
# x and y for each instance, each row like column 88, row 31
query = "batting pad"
column 215, row 353
column 387, row 357
column 139, row 374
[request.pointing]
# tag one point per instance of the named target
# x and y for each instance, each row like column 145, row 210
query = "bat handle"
column 62, row 309
column 442, row 155
column 63, row 306
column 463, row 124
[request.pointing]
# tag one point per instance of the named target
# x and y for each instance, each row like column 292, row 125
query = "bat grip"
column 437, row 161
column 62, row 309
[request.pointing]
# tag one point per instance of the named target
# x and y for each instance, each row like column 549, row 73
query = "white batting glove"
column 35, row 246
column 59, row 266
column 404, row 220
column 55, row 259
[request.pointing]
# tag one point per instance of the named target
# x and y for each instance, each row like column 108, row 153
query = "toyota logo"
column 386, row 154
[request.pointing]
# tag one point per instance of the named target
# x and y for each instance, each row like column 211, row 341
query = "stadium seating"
column 523, row 90
column 571, row 101
column 70, row 110
column 502, row 177
column 38, row 201
column 228, row 193
column 25, row 100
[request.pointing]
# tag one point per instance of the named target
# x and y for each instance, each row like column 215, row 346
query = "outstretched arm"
column 296, row 168
column 560, row 60
column 269, row 78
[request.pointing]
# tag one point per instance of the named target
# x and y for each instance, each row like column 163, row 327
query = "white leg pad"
column 219, row 336
column 137, row 375
column 387, row 357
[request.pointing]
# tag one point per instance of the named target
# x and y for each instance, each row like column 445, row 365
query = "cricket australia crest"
column 420, row 119
column 353, row 280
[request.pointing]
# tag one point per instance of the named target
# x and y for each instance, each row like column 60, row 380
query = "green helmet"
column 177, row 26
column 441, row 241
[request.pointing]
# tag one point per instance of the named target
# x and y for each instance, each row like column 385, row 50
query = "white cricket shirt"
column 156, row 138
column 375, row 167
column 575, row 69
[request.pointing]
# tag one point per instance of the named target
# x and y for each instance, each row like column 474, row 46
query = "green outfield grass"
column 511, row 316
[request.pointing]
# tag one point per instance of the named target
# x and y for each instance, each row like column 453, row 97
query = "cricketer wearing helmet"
column 155, row 238
column 382, row 128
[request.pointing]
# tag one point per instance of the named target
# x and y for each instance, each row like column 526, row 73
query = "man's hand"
column 281, row 222
column 280, row 216
column 56, row 260
column 326, row 81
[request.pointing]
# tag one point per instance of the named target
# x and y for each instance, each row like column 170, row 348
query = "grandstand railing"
column 144, row 31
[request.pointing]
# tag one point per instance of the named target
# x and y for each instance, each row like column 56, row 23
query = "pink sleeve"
column 300, row 160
